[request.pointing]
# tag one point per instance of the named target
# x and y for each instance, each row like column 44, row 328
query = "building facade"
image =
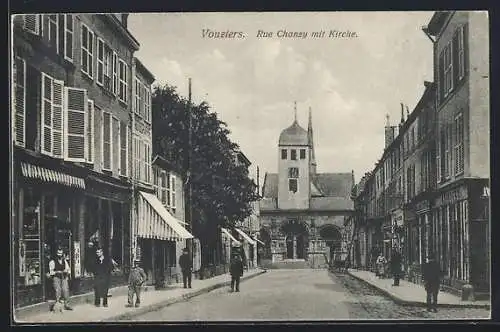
column 71, row 108
column 302, row 212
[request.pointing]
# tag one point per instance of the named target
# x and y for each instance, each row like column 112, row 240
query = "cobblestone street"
column 300, row 295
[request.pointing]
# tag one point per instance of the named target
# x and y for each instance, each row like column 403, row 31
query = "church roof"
column 294, row 135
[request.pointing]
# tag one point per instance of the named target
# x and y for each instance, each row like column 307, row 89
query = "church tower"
column 293, row 167
column 311, row 144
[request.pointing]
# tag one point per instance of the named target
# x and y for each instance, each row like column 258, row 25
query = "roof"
column 328, row 184
column 294, row 135
column 144, row 71
column 437, row 22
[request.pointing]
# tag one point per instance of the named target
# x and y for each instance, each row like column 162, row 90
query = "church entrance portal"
column 296, row 239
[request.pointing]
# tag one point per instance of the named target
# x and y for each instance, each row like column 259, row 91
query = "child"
column 136, row 279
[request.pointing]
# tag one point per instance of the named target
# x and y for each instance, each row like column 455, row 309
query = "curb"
column 402, row 302
column 185, row 297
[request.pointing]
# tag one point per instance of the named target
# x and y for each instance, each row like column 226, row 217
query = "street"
column 300, row 294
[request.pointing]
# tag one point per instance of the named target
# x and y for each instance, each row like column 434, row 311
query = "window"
column 87, row 46
column 461, row 38
column 283, row 154
column 168, row 198
column 106, row 142
column 293, row 175
column 142, row 94
column 147, row 104
column 53, row 31
column 302, row 153
column 293, row 154
column 137, row 96
column 122, row 93
column 459, row 144
column 52, row 116
column 163, row 188
column 115, row 145
column 100, row 61
column 137, row 157
column 123, row 149
column 90, row 131
column 19, row 102
column 172, row 193
column 108, row 68
column 447, row 70
column 115, row 74
column 32, row 23
column 76, row 124
column 68, row 37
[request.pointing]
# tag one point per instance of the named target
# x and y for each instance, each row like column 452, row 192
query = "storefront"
column 48, row 213
column 158, row 239
column 461, row 215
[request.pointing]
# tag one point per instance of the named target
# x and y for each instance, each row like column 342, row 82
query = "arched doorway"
column 333, row 239
column 296, row 238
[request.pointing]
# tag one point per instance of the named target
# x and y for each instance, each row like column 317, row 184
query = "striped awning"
column 48, row 175
column 245, row 236
column 229, row 235
column 155, row 222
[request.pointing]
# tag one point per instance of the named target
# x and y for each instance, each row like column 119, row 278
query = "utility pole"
column 189, row 242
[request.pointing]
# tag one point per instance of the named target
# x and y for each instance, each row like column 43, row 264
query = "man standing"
column 60, row 272
column 396, row 266
column 236, row 266
column 431, row 274
column 102, row 273
column 136, row 279
column 186, row 264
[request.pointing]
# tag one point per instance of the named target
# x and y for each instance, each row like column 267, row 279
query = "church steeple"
column 311, row 143
column 294, row 112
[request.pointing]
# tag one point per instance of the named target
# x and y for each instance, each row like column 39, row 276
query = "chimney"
column 389, row 132
column 125, row 20
column 402, row 117
column 407, row 112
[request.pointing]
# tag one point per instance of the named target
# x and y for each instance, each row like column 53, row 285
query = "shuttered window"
column 87, row 51
column 148, row 162
column 115, row 74
column 90, row 131
column 123, row 85
column 53, row 30
column 32, row 23
column 68, row 37
column 106, row 142
column 19, row 85
column 172, row 192
column 52, row 116
column 148, row 105
column 76, row 124
column 123, row 149
column 459, row 144
column 108, row 68
column 115, row 145
column 137, row 103
column 100, row 61
column 164, row 192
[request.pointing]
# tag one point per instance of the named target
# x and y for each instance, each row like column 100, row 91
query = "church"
column 303, row 212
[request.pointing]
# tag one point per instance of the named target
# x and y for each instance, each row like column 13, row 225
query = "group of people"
column 431, row 274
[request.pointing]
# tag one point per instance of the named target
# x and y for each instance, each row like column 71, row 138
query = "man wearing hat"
column 186, row 264
column 431, row 273
column 136, row 279
column 236, row 265
column 60, row 271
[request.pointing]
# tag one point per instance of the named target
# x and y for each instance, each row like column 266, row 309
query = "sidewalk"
column 408, row 293
column 151, row 300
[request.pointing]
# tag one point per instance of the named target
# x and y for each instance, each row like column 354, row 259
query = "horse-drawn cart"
column 339, row 261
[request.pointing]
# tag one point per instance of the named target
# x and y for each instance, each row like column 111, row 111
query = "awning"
column 228, row 234
column 155, row 222
column 48, row 175
column 245, row 236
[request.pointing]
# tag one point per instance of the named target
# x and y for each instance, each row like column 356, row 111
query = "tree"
column 221, row 190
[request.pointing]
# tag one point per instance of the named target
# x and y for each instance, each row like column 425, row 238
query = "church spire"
column 311, row 143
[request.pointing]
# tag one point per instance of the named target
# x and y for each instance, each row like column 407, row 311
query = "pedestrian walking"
column 186, row 264
column 236, row 266
column 101, row 269
column 136, row 279
column 380, row 264
column 431, row 275
column 60, row 272
column 396, row 266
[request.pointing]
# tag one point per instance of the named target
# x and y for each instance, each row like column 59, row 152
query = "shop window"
column 29, row 244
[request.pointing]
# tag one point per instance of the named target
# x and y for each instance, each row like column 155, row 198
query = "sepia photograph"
column 249, row 167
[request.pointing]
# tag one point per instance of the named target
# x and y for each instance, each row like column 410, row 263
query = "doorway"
column 289, row 247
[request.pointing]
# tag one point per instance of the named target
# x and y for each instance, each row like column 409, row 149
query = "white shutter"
column 123, row 149
column 115, row 74
column 32, row 23
column 100, row 61
column 90, row 132
column 46, row 114
column 57, row 118
column 75, row 123
column 116, row 143
column 19, row 76
column 68, row 36
column 106, row 142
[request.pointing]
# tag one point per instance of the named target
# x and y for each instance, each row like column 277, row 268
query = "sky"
column 350, row 84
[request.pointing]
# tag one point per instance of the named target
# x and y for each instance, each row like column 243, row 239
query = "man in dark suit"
column 431, row 274
column 186, row 264
column 102, row 274
column 396, row 266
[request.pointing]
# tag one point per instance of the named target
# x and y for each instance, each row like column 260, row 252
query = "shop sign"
column 77, row 262
column 452, row 196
